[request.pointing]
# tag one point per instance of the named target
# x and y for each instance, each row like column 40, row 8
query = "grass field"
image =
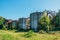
column 11, row 35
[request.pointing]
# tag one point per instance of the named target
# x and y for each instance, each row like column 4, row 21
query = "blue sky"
column 14, row 9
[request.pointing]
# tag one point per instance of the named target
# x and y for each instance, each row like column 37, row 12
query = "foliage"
column 29, row 34
column 57, row 21
column 44, row 22
column 42, row 32
column 13, row 27
column 2, row 20
column 4, row 27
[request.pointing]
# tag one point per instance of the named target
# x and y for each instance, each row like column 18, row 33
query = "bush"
column 4, row 27
column 42, row 31
column 13, row 27
column 29, row 34
column 54, row 32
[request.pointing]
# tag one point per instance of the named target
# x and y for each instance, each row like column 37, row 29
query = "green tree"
column 45, row 22
column 1, row 22
column 57, row 21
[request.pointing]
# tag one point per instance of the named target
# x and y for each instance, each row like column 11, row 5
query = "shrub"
column 4, row 27
column 13, row 27
column 54, row 32
column 42, row 31
column 29, row 34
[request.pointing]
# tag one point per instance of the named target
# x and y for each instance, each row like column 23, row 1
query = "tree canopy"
column 44, row 21
column 2, row 20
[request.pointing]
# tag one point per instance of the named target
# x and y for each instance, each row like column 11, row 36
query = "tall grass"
column 11, row 35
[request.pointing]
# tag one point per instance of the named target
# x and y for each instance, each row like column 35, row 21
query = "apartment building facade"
column 34, row 18
column 22, row 23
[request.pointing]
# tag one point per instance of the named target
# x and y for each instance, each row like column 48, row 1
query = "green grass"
column 11, row 35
